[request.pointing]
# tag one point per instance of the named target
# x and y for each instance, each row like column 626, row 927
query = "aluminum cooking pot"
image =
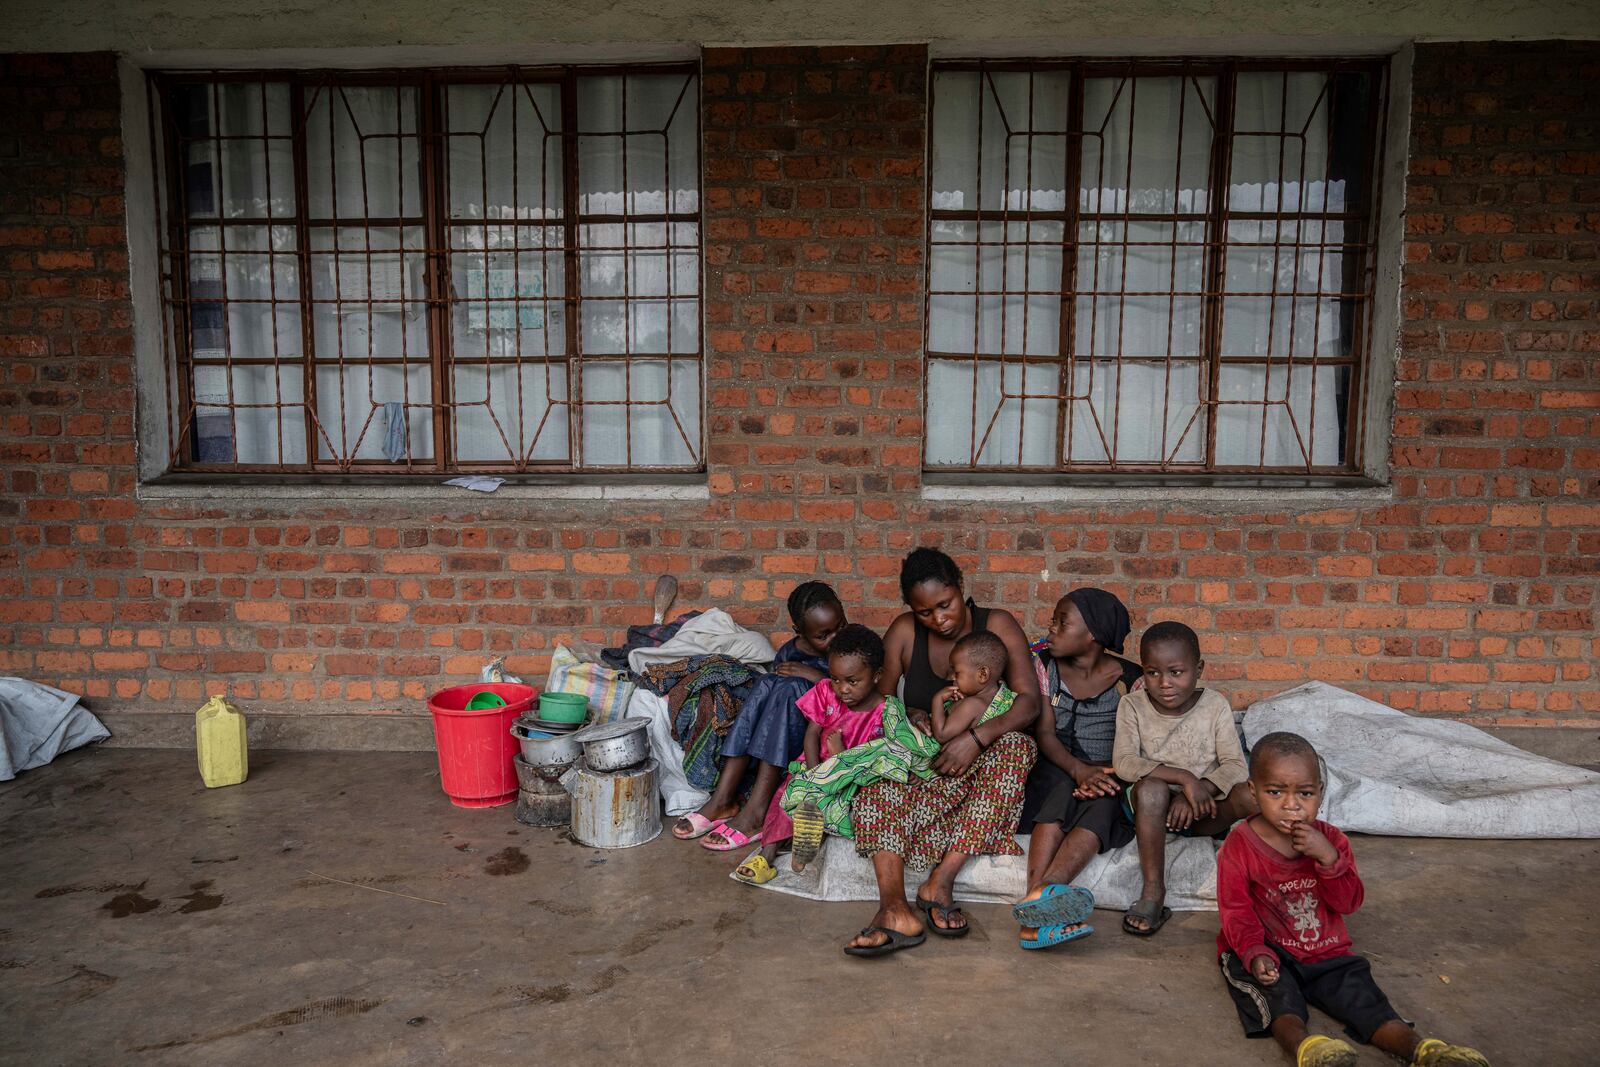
column 612, row 746
column 560, row 750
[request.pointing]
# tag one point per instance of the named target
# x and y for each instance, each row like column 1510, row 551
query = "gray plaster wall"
column 507, row 28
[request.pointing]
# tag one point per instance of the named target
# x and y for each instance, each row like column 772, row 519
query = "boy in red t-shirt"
column 1284, row 884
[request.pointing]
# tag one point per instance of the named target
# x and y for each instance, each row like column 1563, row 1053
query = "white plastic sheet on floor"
column 1113, row 878
column 38, row 723
column 1412, row 776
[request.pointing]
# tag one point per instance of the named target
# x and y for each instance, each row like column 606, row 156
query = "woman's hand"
column 799, row 670
column 1097, row 782
column 956, row 755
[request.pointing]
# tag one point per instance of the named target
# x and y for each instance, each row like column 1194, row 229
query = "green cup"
column 563, row 707
column 484, row 700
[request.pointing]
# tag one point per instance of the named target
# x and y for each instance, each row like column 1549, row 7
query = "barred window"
column 1150, row 267
column 432, row 271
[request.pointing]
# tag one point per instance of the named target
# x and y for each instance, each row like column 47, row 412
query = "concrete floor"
column 147, row 920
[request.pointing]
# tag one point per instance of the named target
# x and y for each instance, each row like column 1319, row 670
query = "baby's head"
column 1170, row 652
column 1286, row 780
column 977, row 661
column 817, row 615
column 855, row 663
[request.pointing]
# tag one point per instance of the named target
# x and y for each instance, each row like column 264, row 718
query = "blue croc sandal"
column 1056, row 934
column 1063, row 904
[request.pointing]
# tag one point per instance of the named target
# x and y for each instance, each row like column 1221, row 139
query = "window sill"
column 1213, row 491
column 337, row 489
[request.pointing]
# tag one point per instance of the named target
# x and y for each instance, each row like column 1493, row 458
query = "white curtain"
column 253, row 412
column 1139, row 384
column 640, row 280
column 1281, row 307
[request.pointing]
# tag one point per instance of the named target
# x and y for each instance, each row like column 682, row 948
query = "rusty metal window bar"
column 1150, row 267
column 431, row 271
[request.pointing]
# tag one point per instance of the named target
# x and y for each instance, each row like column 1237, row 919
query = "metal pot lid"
column 546, row 726
column 605, row 731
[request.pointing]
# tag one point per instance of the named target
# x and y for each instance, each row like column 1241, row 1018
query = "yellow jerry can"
column 219, row 741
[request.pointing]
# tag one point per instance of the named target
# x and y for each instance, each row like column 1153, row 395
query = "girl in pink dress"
column 844, row 710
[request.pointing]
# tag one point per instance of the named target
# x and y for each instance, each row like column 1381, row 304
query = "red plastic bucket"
column 476, row 747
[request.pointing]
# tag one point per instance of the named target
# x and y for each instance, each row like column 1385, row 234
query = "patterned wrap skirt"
column 975, row 814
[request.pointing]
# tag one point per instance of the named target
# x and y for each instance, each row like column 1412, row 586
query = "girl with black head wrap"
column 1072, row 804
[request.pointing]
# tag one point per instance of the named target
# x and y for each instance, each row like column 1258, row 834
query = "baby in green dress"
column 818, row 799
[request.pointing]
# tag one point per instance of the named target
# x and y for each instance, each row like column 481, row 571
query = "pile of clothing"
column 693, row 674
column 703, row 694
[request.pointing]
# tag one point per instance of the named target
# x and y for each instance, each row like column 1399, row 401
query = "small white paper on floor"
column 481, row 483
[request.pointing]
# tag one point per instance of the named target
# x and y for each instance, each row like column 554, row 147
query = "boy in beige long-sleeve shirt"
column 1178, row 747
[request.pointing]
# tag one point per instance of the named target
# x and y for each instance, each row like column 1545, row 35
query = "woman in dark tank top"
column 970, row 806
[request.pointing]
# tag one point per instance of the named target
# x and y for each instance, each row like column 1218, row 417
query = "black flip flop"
column 928, row 907
column 896, row 942
column 1146, row 910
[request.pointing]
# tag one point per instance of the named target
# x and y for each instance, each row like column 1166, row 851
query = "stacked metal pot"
column 545, row 757
column 613, row 787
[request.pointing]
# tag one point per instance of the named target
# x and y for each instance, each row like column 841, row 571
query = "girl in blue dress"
column 769, row 730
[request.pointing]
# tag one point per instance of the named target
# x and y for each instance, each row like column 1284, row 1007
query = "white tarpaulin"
column 38, row 723
column 1409, row 776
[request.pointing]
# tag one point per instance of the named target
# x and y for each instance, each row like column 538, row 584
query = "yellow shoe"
column 1435, row 1053
column 1320, row 1051
column 756, row 871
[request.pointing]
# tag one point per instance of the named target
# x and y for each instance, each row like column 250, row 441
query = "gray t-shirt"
column 1202, row 741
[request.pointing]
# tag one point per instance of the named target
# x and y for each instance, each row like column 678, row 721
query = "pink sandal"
column 699, row 826
column 731, row 839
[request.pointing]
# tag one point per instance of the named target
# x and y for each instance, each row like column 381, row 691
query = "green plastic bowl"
column 563, row 707
column 484, row 700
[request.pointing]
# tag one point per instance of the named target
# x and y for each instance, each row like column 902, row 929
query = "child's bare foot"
column 897, row 917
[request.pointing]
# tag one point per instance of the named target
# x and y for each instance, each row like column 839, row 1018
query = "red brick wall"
column 1471, row 593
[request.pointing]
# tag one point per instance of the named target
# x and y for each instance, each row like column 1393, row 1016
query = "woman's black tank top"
column 921, row 684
